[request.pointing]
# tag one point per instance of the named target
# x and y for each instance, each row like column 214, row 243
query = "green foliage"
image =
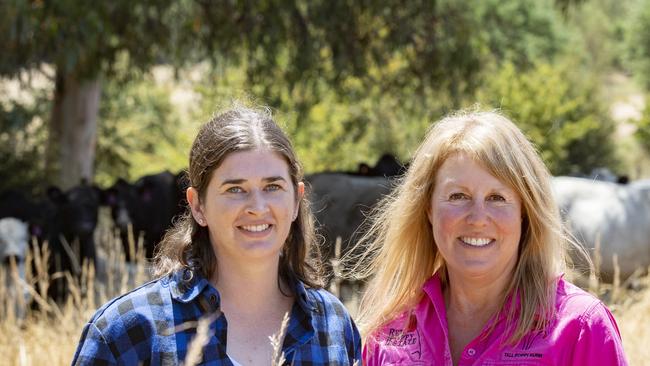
column 333, row 131
column 559, row 112
column 522, row 31
column 139, row 131
column 84, row 37
column 364, row 79
column 349, row 79
column 599, row 27
column 23, row 135
column 643, row 127
column 638, row 42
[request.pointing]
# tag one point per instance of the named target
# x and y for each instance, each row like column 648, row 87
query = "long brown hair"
column 240, row 128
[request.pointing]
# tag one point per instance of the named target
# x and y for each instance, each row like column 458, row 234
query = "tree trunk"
column 73, row 129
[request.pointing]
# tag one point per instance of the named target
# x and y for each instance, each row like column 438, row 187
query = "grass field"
column 49, row 336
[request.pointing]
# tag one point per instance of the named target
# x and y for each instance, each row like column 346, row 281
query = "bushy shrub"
column 559, row 110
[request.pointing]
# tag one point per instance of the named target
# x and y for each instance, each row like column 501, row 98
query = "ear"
column 300, row 193
column 193, row 200
column 429, row 213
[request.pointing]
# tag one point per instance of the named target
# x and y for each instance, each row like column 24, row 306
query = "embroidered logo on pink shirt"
column 408, row 341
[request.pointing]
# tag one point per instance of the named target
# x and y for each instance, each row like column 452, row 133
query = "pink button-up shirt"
column 583, row 332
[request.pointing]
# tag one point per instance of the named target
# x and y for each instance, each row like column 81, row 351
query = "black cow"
column 72, row 219
column 149, row 205
column 66, row 221
column 14, row 203
column 387, row 166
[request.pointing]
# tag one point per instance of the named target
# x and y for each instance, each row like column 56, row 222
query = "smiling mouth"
column 255, row 228
column 475, row 242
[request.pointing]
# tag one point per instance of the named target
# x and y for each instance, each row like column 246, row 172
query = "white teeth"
column 477, row 242
column 255, row 228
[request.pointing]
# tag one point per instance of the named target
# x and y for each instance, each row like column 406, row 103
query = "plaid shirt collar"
column 186, row 286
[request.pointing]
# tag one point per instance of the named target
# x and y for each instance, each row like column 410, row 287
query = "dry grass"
column 49, row 336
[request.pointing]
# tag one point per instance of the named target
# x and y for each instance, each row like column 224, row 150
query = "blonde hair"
column 399, row 246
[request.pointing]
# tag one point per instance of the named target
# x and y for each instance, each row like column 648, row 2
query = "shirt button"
column 213, row 299
column 471, row 352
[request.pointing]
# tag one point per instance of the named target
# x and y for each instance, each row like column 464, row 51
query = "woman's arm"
column 93, row 348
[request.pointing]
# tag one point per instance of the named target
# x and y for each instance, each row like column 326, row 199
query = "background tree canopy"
column 117, row 89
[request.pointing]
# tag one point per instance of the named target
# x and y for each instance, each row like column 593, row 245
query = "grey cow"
column 14, row 239
column 616, row 215
column 341, row 203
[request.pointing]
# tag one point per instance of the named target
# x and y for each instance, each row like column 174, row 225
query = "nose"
column 257, row 203
column 478, row 214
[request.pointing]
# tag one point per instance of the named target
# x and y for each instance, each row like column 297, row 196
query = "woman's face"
column 249, row 205
column 476, row 220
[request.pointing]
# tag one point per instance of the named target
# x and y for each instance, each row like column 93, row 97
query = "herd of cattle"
column 615, row 215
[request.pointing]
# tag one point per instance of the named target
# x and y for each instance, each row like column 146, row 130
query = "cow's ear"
column 145, row 191
column 55, row 194
column 364, row 169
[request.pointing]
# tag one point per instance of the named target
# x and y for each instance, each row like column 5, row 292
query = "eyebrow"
column 455, row 184
column 240, row 180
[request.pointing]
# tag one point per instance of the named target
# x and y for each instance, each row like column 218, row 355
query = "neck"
column 475, row 298
column 251, row 287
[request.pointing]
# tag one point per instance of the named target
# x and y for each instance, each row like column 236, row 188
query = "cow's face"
column 476, row 220
column 121, row 198
column 77, row 210
column 248, row 207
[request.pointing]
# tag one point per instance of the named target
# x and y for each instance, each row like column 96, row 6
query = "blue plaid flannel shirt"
column 154, row 324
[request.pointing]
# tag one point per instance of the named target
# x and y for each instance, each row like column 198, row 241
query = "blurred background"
column 103, row 90
column 98, row 91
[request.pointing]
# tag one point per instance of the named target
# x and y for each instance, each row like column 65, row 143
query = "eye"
column 457, row 196
column 496, row 198
column 273, row 187
column 235, row 189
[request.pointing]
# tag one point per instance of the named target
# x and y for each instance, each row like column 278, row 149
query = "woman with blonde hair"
column 467, row 257
column 242, row 257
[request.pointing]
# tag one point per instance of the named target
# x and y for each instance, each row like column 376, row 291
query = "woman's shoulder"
column 324, row 301
column 329, row 316
column 572, row 300
column 587, row 327
column 139, row 305
column 576, row 306
column 123, row 329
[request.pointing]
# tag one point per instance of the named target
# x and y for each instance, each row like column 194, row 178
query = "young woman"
column 469, row 260
column 243, row 255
